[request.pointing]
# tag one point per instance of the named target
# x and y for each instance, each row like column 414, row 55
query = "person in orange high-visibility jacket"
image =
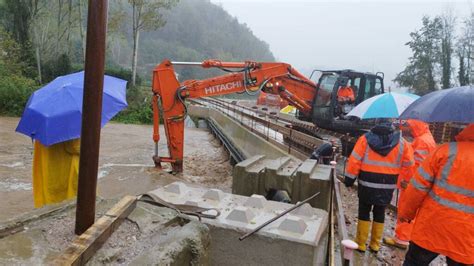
column 441, row 196
column 377, row 160
column 423, row 144
column 345, row 94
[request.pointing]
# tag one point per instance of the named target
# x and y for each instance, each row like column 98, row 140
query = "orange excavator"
column 270, row 77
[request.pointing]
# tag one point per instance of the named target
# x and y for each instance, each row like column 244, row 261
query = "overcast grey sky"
column 361, row 35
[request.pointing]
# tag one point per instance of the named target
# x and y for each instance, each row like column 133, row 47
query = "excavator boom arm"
column 275, row 78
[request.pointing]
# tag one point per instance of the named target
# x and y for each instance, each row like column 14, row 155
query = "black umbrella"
column 449, row 105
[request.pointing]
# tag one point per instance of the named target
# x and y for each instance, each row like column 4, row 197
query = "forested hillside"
column 46, row 39
column 198, row 30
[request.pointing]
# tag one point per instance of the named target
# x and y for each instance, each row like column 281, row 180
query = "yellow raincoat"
column 55, row 172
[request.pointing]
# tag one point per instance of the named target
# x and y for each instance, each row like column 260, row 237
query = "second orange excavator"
column 316, row 102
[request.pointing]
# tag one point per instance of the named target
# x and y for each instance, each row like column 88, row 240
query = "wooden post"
column 86, row 245
column 91, row 114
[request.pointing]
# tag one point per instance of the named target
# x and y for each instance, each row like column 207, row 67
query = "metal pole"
column 91, row 114
column 178, row 63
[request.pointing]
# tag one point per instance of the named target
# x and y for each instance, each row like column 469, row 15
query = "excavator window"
column 326, row 86
column 373, row 86
column 369, row 83
column 355, row 84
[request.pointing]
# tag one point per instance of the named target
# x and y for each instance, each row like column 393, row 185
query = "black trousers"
column 378, row 212
column 418, row 256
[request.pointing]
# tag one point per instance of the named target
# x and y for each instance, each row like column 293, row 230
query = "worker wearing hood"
column 377, row 160
column 441, row 196
column 423, row 144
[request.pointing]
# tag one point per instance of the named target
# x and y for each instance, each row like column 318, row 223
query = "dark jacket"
column 323, row 153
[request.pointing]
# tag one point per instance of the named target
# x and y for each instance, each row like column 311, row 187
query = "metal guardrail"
column 300, row 141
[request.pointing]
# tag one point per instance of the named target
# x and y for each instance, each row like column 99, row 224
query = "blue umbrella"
column 449, row 105
column 53, row 113
column 386, row 105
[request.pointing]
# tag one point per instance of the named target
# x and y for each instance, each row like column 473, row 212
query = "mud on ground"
column 387, row 255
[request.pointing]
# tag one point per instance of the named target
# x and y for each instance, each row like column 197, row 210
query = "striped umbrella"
column 386, row 105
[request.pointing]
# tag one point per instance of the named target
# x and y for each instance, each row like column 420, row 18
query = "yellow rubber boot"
column 363, row 228
column 394, row 242
column 376, row 236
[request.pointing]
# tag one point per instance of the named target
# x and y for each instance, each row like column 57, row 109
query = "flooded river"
column 125, row 164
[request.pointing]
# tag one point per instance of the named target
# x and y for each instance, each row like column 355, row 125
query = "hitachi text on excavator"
column 316, row 102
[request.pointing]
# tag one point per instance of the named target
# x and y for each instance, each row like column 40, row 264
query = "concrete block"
column 176, row 188
column 279, row 174
column 305, row 210
column 214, row 194
column 302, row 233
column 310, row 178
column 255, row 201
column 258, row 175
column 293, row 224
column 247, row 175
column 192, row 202
column 241, row 214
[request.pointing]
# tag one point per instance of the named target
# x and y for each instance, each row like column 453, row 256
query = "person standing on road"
column 377, row 160
column 423, row 144
column 441, row 196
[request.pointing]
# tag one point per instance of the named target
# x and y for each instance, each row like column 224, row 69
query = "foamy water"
column 14, row 165
column 13, row 184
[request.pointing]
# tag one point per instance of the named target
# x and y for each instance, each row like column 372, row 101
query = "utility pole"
column 91, row 114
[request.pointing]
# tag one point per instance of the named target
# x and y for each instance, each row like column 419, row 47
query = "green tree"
column 146, row 15
column 14, row 87
column 464, row 51
column 10, row 54
column 16, row 19
column 419, row 75
column 448, row 23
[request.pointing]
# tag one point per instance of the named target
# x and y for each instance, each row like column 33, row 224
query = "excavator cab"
column 329, row 109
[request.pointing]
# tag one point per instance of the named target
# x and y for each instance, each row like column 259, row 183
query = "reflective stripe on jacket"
column 442, row 191
column 377, row 175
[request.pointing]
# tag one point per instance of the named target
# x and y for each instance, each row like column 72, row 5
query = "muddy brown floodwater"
column 125, row 164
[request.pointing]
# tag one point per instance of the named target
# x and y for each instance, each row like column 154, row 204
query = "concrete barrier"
column 298, row 238
column 267, row 166
column 258, row 174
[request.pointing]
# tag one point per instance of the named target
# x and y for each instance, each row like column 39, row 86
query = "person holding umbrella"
column 53, row 118
column 441, row 193
column 379, row 158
